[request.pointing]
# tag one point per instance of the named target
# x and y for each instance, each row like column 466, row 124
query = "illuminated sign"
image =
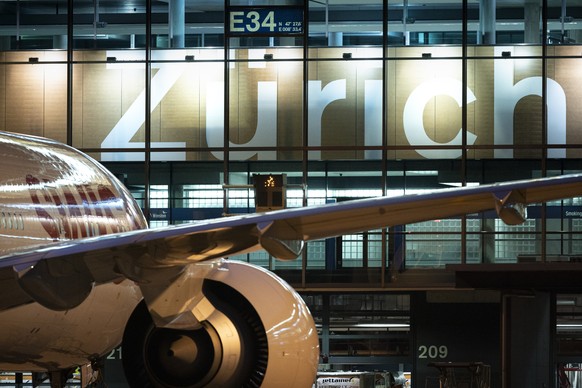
column 266, row 21
column 269, row 191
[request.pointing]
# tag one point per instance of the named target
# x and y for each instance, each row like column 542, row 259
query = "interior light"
column 566, row 302
column 459, row 184
column 383, row 325
column 255, row 56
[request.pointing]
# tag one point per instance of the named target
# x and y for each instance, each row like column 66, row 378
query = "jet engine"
column 259, row 334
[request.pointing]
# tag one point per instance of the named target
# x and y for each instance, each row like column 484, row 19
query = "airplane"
column 80, row 272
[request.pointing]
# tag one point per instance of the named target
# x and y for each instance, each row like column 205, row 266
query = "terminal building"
column 185, row 101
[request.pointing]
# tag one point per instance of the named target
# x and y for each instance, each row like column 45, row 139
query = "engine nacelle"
column 257, row 332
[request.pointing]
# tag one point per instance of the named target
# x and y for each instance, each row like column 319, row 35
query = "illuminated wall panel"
column 423, row 102
column 567, row 72
column 479, row 118
column 33, row 93
column 427, row 110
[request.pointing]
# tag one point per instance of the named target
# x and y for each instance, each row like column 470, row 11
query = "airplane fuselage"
column 79, row 274
column 50, row 193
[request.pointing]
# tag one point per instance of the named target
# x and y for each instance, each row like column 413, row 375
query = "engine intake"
column 259, row 334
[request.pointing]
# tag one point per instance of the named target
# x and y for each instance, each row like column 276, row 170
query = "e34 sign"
column 266, row 21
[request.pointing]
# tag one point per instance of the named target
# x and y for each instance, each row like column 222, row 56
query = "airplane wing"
column 54, row 273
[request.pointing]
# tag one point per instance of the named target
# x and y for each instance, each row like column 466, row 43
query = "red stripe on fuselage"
column 46, row 220
column 72, row 209
column 98, row 211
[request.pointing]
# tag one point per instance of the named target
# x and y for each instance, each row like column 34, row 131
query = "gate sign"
column 266, row 21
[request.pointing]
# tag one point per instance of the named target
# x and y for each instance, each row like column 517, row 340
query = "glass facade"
column 186, row 100
column 348, row 100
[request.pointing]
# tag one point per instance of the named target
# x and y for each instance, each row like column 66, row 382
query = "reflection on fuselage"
column 50, row 193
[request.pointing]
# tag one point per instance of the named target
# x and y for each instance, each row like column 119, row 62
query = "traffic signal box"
column 269, row 191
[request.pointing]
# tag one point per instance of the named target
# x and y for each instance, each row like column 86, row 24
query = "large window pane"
column 111, row 24
column 562, row 25
column 564, row 118
column 187, row 23
column 33, row 25
column 187, row 102
column 425, row 23
column 337, row 23
column 505, row 115
column 517, row 22
column 425, row 103
column 109, row 103
column 33, row 93
column 265, row 106
column 345, row 106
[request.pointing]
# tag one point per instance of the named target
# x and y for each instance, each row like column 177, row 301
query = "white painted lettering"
column 507, row 95
column 318, row 99
column 414, row 111
column 373, row 117
column 266, row 130
column 131, row 121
